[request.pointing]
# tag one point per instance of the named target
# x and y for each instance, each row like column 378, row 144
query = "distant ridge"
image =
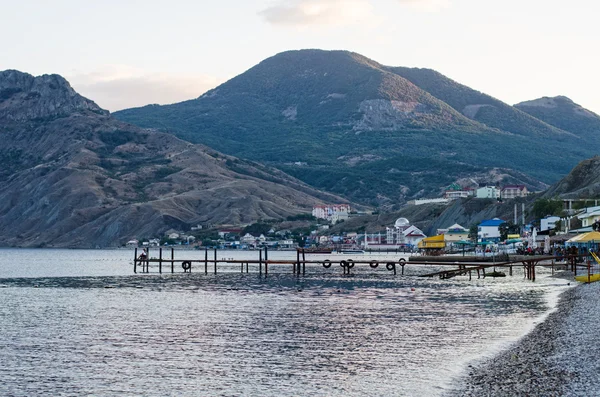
column 477, row 105
column 563, row 113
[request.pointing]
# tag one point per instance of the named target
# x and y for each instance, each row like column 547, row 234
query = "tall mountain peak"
column 25, row 97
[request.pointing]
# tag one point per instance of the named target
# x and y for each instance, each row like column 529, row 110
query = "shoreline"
column 556, row 358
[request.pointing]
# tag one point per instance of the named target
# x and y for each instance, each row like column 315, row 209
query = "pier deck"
column 209, row 262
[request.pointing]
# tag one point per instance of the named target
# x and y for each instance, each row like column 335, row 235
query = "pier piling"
column 160, row 260
column 303, row 262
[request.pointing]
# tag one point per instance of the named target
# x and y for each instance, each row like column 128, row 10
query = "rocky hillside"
column 582, row 182
column 346, row 124
column 73, row 176
column 563, row 113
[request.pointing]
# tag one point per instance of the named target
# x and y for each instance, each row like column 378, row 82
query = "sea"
column 82, row 323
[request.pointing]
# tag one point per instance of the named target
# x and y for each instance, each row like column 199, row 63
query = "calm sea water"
column 79, row 322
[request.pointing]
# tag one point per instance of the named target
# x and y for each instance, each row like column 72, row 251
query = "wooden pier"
column 207, row 261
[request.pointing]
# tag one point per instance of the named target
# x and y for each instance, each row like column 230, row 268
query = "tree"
column 507, row 228
column 257, row 228
column 558, row 225
column 473, row 232
column 544, row 207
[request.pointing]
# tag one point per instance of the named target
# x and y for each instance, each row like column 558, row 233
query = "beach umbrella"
column 585, row 238
column 463, row 243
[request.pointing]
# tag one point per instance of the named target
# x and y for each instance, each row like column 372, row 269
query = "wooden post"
column 260, row 262
column 469, row 275
column 215, row 256
column 135, row 261
column 303, row 262
column 297, row 263
column 160, row 260
column 205, row 260
column 403, row 270
column 266, row 262
column 510, row 270
column 172, row 260
column 589, row 265
column 246, row 267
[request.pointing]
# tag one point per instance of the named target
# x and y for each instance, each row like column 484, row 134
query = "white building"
column 489, row 230
column 548, row 223
column 513, row 191
column 413, row 235
column 248, row 239
column 288, row 243
column 456, row 194
column 403, row 233
column 333, row 213
column 454, row 233
column 488, row 192
column 429, row 201
column 589, row 215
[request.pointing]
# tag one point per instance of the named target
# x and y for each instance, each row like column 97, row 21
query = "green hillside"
column 347, row 124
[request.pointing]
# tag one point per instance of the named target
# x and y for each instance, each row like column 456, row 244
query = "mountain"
column 351, row 126
column 563, row 113
column 73, row 176
column 582, row 182
column 477, row 105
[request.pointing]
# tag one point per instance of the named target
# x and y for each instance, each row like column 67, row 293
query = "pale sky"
column 126, row 53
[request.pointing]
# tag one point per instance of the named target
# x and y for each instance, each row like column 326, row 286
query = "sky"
column 130, row 53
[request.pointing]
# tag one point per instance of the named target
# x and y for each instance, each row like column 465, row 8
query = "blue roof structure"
column 492, row 222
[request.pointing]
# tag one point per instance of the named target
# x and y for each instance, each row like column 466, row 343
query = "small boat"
column 352, row 252
column 588, row 279
column 495, row 274
column 316, row 250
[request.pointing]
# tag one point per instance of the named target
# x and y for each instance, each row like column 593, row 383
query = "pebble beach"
column 559, row 357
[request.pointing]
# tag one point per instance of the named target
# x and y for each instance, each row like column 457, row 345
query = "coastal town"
column 543, row 235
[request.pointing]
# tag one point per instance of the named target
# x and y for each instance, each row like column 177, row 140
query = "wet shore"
column 560, row 357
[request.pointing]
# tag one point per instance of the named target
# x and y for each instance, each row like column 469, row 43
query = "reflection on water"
column 107, row 332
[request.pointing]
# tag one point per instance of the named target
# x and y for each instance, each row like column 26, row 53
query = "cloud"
column 318, row 12
column 426, row 5
column 116, row 87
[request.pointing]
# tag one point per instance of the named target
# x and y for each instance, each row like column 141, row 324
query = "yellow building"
column 434, row 242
